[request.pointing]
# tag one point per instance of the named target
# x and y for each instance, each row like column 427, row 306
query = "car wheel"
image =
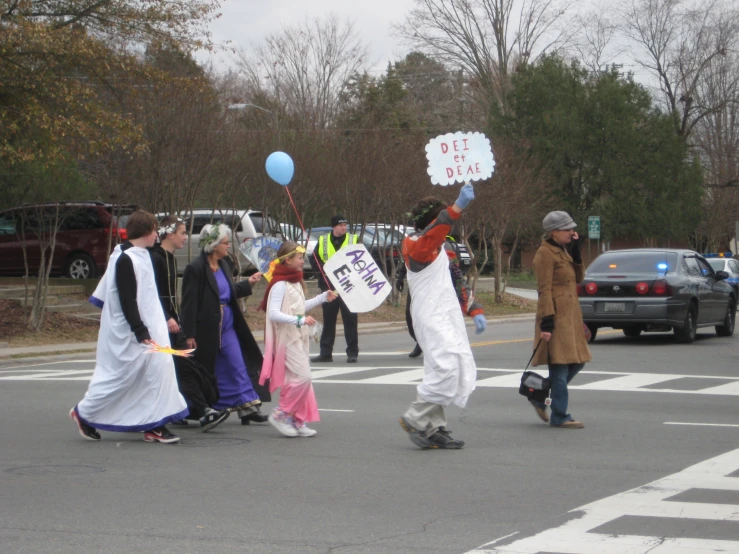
column 632, row 332
column 593, row 331
column 687, row 333
column 727, row 329
column 79, row 266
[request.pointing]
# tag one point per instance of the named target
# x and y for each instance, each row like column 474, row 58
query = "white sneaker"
column 305, row 431
column 284, row 424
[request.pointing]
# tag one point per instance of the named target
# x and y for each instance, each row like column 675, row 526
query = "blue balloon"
column 280, row 168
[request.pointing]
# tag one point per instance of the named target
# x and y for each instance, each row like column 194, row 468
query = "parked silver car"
column 656, row 290
column 245, row 224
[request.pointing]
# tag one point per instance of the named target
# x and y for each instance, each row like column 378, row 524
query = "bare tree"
column 487, row 37
column 596, row 44
column 508, row 205
column 682, row 46
column 305, row 68
column 716, row 138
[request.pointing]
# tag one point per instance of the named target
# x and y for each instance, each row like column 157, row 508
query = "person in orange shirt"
column 449, row 367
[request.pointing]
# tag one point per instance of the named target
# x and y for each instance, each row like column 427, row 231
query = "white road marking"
column 505, row 381
column 650, row 500
column 46, row 375
column 702, row 424
column 396, row 378
column 47, row 363
column 411, row 373
column 389, row 353
column 329, row 410
column 625, row 382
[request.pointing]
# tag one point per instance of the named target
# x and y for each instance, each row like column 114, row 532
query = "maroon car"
column 83, row 238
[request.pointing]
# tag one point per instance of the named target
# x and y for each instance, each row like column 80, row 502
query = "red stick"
column 300, row 221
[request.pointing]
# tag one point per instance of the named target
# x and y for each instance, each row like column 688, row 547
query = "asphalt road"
column 361, row 486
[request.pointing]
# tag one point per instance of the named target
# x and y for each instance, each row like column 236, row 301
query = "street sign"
column 594, row 227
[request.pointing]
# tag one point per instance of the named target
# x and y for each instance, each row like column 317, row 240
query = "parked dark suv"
column 82, row 241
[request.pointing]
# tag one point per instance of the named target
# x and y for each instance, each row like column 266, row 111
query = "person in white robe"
column 131, row 390
column 449, row 370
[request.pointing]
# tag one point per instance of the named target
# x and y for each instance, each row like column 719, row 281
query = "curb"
column 369, row 329
column 7, row 361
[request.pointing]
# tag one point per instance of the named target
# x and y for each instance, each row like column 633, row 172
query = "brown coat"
column 556, row 279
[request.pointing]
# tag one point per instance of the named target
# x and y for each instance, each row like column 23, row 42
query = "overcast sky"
column 246, row 22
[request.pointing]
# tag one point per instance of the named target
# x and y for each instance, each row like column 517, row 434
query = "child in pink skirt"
column 286, row 352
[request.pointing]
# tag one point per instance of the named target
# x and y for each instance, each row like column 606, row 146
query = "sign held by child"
column 357, row 278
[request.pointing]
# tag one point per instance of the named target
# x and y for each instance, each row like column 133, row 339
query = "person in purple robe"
column 213, row 324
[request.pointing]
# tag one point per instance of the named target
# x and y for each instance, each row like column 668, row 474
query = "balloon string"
column 302, row 228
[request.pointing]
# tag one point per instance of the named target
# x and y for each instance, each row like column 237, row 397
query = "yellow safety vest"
column 326, row 247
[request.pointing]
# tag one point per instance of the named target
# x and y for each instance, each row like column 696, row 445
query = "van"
column 86, row 232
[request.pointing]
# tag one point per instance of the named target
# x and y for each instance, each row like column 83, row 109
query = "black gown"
column 201, row 318
column 195, row 382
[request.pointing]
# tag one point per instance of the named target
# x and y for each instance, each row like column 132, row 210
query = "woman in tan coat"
column 559, row 327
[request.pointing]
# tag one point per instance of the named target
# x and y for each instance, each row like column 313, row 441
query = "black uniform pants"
column 195, row 384
column 330, row 314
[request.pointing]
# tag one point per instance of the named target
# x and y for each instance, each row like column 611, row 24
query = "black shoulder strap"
column 532, row 355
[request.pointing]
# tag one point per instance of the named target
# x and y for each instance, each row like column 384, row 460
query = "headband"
column 211, row 237
column 268, row 275
column 169, row 229
column 426, row 210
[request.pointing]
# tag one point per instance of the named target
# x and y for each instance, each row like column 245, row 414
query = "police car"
column 722, row 261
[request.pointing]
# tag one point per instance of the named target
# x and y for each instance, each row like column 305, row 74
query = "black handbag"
column 534, row 386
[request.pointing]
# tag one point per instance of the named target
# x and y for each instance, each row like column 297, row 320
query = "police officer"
column 327, row 246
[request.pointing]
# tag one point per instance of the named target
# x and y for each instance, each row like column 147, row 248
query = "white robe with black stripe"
column 131, row 390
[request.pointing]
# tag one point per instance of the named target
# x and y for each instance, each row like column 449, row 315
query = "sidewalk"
column 64, row 351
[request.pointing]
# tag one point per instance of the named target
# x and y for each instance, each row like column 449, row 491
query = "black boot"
column 255, row 416
column 416, row 352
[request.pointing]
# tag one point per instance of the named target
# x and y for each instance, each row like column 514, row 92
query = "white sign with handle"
column 459, row 158
column 357, row 278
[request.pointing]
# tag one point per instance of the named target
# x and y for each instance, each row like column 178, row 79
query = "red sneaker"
column 86, row 432
column 160, row 434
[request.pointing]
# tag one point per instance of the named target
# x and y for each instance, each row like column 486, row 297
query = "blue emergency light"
column 727, row 254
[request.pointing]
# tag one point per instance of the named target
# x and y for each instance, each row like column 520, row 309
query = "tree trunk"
column 498, row 257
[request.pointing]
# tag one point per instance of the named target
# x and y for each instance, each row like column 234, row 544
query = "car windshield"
column 716, row 263
column 620, row 263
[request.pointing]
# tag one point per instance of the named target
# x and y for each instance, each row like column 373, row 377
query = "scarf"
column 281, row 273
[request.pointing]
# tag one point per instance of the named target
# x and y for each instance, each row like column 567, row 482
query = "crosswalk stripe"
column 411, row 373
column 626, row 382
column 396, row 378
column 505, row 381
column 577, row 536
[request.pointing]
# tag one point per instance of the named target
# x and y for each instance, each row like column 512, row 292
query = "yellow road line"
column 510, row 341
column 492, row 342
